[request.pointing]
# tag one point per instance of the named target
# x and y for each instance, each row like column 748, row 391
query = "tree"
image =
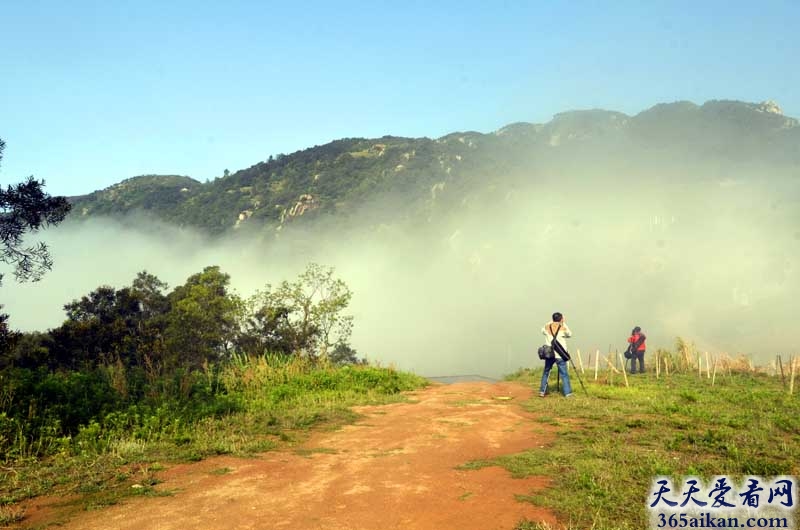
column 321, row 299
column 149, row 290
column 202, row 320
column 25, row 208
column 304, row 316
column 267, row 328
column 27, row 351
column 344, row 354
column 112, row 325
column 101, row 327
column 7, row 337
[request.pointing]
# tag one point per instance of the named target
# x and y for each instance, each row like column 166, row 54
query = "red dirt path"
column 392, row 469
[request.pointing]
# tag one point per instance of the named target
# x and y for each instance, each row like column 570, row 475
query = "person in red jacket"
column 637, row 348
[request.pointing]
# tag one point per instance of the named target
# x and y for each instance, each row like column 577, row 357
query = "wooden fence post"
column 611, row 360
column 658, row 365
column 624, row 375
column 714, row 377
column 596, row 362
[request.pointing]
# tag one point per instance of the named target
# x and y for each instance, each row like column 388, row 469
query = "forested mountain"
column 671, row 140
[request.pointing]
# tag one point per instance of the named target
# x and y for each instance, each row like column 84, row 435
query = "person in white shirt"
column 556, row 328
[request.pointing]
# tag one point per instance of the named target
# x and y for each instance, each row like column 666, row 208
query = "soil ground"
column 395, row 468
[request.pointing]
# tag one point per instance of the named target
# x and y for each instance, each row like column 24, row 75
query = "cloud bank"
column 468, row 290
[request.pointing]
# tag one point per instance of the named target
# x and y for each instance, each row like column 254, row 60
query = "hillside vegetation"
column 428, row 176
column 143, row 374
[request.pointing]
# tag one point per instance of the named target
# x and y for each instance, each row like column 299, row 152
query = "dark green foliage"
column 269, row 329
column 339, row 176
column 138, row 359
column 8, row 338
column 25, row 208
column 42, row 406
column 202, row 320
column 344, row 354
column 106, row 325
column 157, row 193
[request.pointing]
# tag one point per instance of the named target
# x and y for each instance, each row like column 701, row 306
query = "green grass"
column 608, row 447
column 618, row 439
column 280, row 404
column 10, row 515
column 308, row 452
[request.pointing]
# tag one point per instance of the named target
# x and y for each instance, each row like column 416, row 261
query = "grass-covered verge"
column 611, row 444
column 273, row 402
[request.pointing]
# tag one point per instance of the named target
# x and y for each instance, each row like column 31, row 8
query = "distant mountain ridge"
column 339, row 177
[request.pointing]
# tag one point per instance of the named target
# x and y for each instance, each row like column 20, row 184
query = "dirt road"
column 393, row 469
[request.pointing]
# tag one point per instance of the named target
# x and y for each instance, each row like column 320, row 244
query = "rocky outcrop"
column 305, row 203
column 243, row 216
column 770, row 107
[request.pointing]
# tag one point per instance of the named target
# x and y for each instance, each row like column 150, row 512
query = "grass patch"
column 279, row 405
column 307, row 452
column 386, row 452
column 618, row 439
column 10, row 515
column 457, row 423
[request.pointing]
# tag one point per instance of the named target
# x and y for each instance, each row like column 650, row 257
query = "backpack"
column 629, row 351
column 633, row 347
column 546, row 352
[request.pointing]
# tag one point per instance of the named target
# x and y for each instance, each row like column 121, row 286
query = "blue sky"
column 95, row 92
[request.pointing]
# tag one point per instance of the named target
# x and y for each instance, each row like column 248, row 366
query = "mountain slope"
column 675, row 140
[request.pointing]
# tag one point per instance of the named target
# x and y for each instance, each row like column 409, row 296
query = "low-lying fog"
column 715, row 263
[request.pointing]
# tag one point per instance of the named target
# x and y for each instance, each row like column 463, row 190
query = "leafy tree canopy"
column 303, row 316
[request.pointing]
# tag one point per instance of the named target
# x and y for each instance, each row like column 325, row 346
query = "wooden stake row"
column 710, row 368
